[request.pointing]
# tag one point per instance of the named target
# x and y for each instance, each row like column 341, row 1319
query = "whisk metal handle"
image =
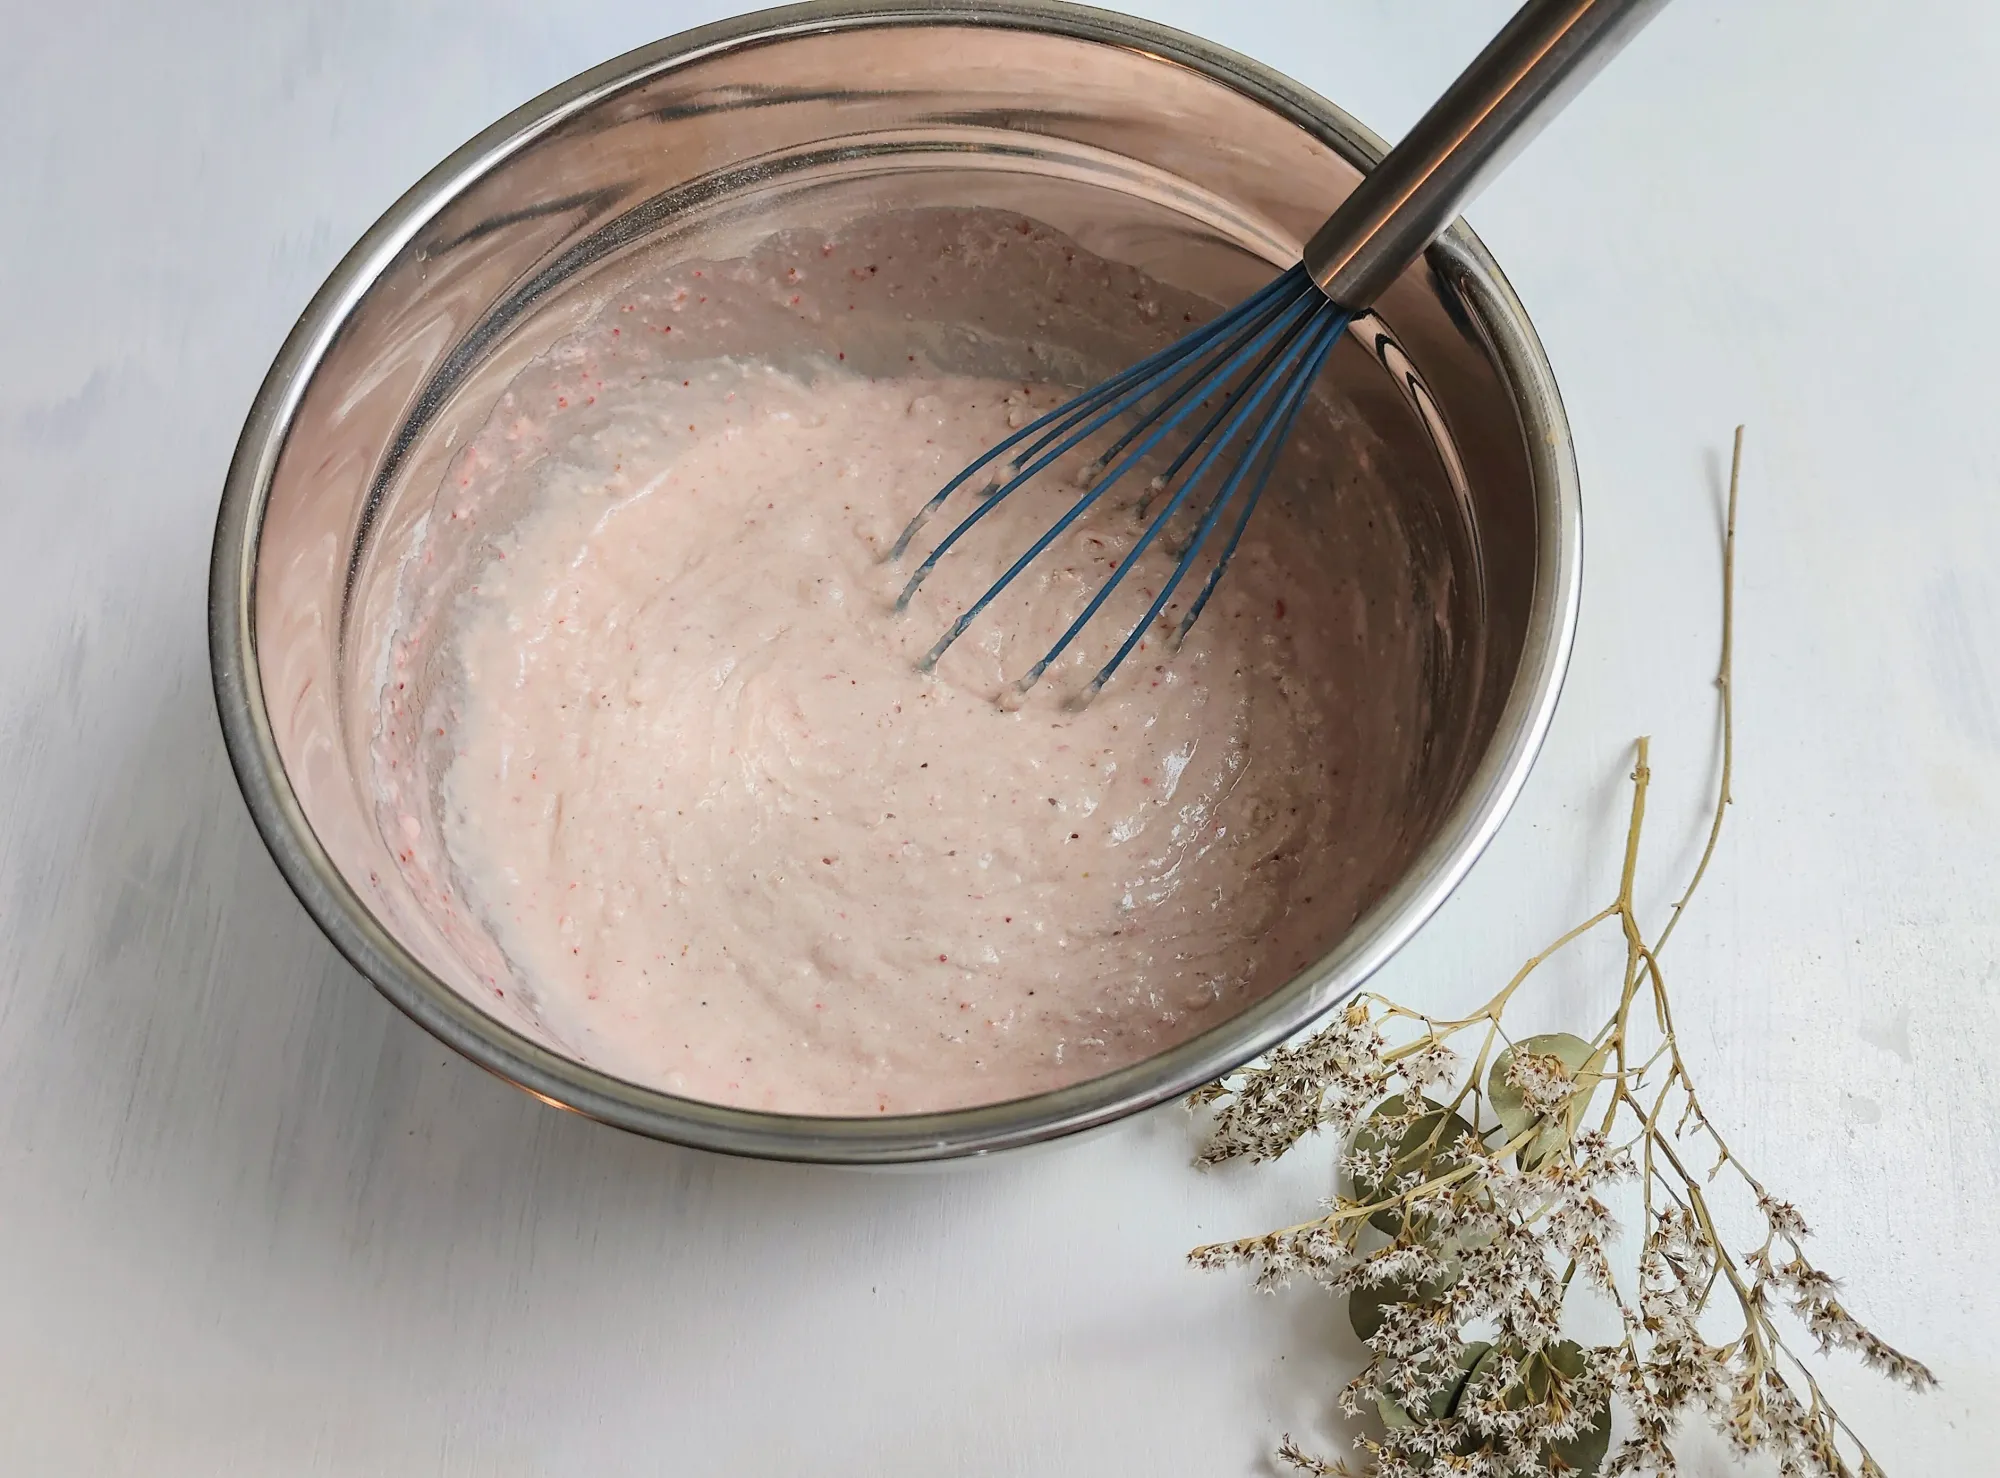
column 1524, row 77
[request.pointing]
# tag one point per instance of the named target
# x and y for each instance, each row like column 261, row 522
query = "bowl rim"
column 1463, row 835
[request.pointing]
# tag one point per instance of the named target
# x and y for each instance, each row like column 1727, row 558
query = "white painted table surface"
column 252, row 1221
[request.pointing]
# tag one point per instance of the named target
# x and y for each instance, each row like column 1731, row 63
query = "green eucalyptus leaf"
column 1533, row 1379
column 1515, row 1119
column 1563, row 1360
column 1427, row 1147
column 1486, row 1358
column 1443, row 1401
column 1365, row 1306
column 1470, row 1359
column 1541, row 1374
column 1583, row 1453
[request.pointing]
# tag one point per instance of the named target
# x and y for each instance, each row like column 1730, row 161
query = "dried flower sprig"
column 1474, row 1211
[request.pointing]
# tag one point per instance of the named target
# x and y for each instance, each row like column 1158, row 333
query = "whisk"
column 1245, row 373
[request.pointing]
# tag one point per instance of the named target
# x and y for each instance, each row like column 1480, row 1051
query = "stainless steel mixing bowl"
column 1148, row 146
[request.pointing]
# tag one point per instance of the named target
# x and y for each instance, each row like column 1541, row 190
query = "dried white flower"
column 1784, row 1218
column 1433, row 1065
column 1328, row 1080
column 1544, row 1080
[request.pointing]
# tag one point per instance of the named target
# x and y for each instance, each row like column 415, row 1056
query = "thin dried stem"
column 1725, row 693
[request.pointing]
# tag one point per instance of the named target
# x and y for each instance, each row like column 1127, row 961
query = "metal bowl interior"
column 1148, row 147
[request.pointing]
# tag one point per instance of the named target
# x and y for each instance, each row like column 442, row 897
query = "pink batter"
column 733, row 845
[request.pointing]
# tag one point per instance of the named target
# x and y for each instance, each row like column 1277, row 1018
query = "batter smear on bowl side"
column 728, row 841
